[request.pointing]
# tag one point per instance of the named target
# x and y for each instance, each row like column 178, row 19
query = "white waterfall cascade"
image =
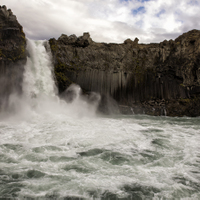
column 40, row 91
column 38, row 78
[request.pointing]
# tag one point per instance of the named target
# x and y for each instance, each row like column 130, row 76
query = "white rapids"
column 51, row 149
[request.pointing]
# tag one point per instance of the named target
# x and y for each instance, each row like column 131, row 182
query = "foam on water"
column 61, row 149
column 125, row 157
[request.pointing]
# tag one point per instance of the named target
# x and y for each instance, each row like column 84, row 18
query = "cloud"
column 107, row 20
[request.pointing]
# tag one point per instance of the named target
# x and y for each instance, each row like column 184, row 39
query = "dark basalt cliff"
column 12, row 54
column 155, row 79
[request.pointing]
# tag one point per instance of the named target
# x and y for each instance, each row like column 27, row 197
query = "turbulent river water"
column 50, row 149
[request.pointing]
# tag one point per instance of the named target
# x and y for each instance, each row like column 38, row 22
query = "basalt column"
column 155, row 79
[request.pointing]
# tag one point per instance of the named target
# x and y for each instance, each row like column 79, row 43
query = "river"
column 51, row 149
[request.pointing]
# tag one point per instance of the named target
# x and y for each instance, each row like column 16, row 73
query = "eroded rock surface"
column 155, row 79
column 12, row 54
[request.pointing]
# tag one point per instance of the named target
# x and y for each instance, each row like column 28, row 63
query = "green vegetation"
column 185, row 100
column 188, row 101
column 60, row 71
column 53, row 45
column 182, row 85
column 62, row 80
column 18, row 53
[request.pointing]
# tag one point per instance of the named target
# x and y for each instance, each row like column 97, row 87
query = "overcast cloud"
column 107, row 20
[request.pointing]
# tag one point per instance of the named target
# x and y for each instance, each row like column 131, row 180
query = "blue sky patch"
column 124, row 0
column 194, row 2
column 160, row 13
column 141, row 9
column 137, row 0
column 144, row 0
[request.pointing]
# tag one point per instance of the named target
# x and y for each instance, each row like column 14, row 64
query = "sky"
column 107, row 20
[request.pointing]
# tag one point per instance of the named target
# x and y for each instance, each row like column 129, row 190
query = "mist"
column 40, row 93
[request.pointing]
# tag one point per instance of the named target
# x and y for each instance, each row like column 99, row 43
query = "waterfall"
column 38, row 76
column 40, row 93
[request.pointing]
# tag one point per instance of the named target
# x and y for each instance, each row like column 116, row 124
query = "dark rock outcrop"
column 156, row 79
column 12, row 54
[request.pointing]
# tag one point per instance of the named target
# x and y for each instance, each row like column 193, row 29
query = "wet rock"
column 35, row 174
column 138, row 191
column 12, row 54
column 143, row 78
column 91, row 152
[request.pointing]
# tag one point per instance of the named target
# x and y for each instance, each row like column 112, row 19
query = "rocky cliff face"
column 155, row 79
column 12, row 54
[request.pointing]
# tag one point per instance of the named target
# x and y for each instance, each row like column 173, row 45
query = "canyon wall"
column 156, row 79
column 12, row 55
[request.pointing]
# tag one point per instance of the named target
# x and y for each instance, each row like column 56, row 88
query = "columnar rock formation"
column 12, row 54
column 155, row 79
